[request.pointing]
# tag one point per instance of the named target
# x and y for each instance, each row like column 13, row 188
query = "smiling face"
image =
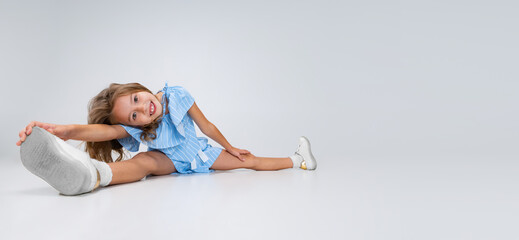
column 137, row 109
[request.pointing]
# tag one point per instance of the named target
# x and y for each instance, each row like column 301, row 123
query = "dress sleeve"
column 130, row 142
column 180, row 101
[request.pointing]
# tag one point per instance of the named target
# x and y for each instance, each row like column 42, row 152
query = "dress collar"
column 164, row 101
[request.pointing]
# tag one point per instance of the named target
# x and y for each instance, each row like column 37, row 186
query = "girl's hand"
column 60, row 131
column 238, row 152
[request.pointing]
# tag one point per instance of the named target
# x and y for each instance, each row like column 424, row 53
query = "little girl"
column 125, row 115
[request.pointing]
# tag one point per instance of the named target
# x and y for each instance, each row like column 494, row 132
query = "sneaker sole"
column 41, row 155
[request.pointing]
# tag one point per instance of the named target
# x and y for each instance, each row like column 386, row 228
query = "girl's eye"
column 135, row 98
column 134, row 116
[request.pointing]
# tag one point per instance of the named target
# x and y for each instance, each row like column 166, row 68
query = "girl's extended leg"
column 141, row 165
column 227, row 161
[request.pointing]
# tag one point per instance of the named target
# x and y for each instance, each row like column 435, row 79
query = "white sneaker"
column 305, row 152
column 63, row 166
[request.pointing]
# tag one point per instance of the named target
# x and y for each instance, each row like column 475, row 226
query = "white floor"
column 353, row 198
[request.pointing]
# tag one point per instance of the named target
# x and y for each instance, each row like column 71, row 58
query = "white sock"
column 296, row 160
column 105, row 172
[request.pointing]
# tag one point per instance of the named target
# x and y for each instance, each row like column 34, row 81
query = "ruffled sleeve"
column 131, row 143
column 179, row 102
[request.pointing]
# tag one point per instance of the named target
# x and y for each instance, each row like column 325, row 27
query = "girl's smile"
column 137, row 109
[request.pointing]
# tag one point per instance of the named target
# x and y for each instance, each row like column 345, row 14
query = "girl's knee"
column 155, row 162
column 146, row 161
column 251, row 161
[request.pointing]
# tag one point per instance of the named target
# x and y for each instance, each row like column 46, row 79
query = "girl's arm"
column 90, row 132
column 212, row 131
column 95, row 132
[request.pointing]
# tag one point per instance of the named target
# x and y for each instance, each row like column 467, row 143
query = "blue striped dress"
column 176, row 136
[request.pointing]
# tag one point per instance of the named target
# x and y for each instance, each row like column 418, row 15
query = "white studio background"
column 359, row 78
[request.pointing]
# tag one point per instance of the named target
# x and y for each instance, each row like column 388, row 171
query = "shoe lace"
column 297, row 151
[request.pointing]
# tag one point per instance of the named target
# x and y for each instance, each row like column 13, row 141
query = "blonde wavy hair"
column 100, row 112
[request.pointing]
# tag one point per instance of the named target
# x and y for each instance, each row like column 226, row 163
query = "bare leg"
column 141, row 165
column 227, row 161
